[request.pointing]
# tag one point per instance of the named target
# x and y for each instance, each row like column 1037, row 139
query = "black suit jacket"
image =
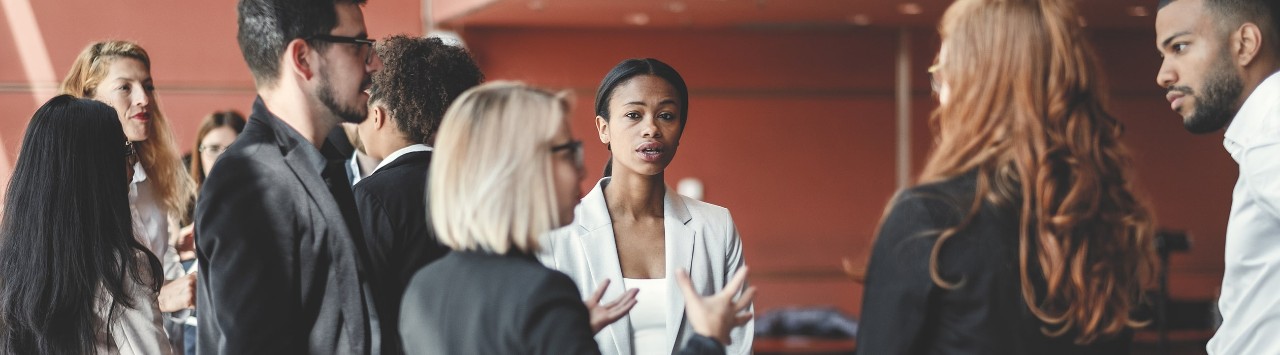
column 393, row 213
column 279, row 267
column 905, row 312
column 480, row 303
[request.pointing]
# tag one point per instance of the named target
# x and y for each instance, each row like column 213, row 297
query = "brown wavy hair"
column 217, row 119
column 158, row 154
column 1026, row 110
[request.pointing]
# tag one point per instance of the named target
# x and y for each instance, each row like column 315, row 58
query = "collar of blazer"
column 602, row 251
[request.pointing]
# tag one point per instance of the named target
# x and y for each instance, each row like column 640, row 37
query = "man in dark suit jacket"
column 420, row 78
column 279, row 251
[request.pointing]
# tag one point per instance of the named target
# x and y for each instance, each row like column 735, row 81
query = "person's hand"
column 604, row 315
column 716, row 315
column 178, row 294
column 186, row 245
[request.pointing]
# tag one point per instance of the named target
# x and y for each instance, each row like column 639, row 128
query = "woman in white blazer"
column 634, row 231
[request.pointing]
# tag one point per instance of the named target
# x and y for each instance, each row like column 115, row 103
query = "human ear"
column 602, row 127
column 298, row 57
column 1246, row 43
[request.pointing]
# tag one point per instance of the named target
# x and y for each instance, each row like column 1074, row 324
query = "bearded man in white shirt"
column 1221, row 59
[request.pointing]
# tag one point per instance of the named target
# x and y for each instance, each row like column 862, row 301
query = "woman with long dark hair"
column 1025, row 234
column 76, row 280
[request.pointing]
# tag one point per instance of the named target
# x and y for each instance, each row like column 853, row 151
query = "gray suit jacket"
column 700, row 237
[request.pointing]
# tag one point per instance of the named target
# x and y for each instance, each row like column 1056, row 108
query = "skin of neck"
column 390, row 139
column 634, row 195
column 1255, row 73
column 301, row 110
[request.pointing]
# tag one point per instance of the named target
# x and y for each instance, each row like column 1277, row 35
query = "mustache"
column 1185, row 90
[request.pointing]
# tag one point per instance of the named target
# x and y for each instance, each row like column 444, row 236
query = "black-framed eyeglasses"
column 365, row 43
column 575, row 148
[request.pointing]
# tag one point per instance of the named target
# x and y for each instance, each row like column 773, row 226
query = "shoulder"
column 406, row 181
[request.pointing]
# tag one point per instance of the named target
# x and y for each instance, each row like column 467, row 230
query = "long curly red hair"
column 1025, row 109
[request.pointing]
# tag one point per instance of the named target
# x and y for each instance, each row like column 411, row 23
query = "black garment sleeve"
column 898, row 287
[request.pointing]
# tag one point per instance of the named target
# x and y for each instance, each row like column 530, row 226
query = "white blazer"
column 700, row 237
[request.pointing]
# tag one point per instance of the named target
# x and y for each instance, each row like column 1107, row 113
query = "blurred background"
column 805, row 115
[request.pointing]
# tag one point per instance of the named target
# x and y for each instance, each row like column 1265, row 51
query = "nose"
column 1166, row 77
column 374, row 64
column 141, row 98
column 650, row 127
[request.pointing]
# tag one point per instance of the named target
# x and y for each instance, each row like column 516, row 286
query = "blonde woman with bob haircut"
column 1025, row 234
column 118, row 73
column 506, row 170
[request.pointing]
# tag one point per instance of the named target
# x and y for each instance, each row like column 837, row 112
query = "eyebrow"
column 1170, row 39
column 663, row 102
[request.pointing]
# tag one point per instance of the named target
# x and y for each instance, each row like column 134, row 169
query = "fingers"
column 682, row 278
column 599, row 292
column 630, row 295
column 742, row 319
column 745, row 301
column 739, row 278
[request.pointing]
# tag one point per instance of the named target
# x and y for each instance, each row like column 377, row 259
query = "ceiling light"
column 638, row 19
column 1138, row 11
column 859, row 19
column 910, row 8
column 1083, row 22
column 537, row 5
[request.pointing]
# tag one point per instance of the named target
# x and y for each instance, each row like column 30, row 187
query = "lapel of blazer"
column 680, row 241
column 341, row 251
column 601, row 249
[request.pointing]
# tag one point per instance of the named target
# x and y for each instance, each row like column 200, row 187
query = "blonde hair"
column 1026, row 111
column 491, row 183
column 158, row 154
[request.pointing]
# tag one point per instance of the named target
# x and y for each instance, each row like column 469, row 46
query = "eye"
column 667, row 116
column 633, row 115
column 149, row 87
column 1178, row 47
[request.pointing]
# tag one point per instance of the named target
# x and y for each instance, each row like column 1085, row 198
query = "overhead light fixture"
column 638, row 19
column 859, row 19
column 910, row 8
column 1083, row 21
column 1138, row 11
column 537, row 5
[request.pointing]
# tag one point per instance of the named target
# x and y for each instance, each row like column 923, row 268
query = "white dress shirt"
column 400, row 152
column 1250, row 300
column 151, row 222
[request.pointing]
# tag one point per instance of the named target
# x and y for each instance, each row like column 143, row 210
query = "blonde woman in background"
column 118, row 73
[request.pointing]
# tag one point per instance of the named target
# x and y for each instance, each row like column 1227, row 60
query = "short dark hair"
column 420, row 78
column 266, row 26
column 633, row 67
column 1233, row 13
column 68, row 205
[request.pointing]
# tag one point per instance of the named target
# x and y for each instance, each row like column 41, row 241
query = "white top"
column 151, row 222
column 649, row 316
column 399, row 152
column 1249, row 303
column 133, row 331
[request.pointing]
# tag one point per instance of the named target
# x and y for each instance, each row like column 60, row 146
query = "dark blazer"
column 279, row 267
column 905, row 312
column 479, row 303
column 393, row 213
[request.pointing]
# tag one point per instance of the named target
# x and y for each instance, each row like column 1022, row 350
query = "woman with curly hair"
column 1025, row 234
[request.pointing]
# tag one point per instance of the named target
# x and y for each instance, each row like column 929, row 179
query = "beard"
column 1216, row 106
column 348, row 113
